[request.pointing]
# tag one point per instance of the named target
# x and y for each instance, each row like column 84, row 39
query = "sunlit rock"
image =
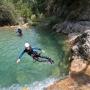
column 78, row 65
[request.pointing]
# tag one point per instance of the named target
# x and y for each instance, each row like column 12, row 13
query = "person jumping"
column 34, row 54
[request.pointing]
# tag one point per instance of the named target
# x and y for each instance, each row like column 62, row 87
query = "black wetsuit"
column 35, row 55
column 30, row 52
column 19, row 31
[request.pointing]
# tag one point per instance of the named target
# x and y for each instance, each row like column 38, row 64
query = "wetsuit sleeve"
column 36, row 49
column 21, row 54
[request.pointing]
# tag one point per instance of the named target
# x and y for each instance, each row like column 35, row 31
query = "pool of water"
column 27, row 72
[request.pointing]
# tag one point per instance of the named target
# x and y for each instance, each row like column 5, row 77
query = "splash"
column 38, row 85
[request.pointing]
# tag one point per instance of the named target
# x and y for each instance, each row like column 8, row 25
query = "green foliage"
column 7, row 16
column 41, row 5
column 33, row 17
column 13, row 9
column 23, row 9
column 72, row 10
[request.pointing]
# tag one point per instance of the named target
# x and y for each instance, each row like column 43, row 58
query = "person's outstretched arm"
column 20, row 56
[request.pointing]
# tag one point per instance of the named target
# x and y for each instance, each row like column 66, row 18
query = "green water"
column 27, row 72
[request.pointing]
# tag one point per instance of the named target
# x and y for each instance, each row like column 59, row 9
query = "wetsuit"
column 19, row 31
column 32, row 52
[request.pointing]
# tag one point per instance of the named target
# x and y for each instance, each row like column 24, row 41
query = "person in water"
column 34, row 54
column 19, row 31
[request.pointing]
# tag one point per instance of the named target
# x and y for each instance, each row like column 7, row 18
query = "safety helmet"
column 27, row 45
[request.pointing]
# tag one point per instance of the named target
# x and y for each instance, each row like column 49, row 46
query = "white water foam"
column 38, row 85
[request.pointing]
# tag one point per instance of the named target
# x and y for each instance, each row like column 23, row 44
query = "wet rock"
column 81, row 47
column 66, row 84
column 76, row 81
column 68, row 27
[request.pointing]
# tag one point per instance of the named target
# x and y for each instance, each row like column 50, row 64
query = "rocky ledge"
column 79, row 75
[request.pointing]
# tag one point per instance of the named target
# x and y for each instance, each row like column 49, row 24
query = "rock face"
column 74, row 15
column 81, row 46
column 68, row 27
column 76, row 82
column 75, row 18
column 80, row 52
column 78, row 65
column 79, row 76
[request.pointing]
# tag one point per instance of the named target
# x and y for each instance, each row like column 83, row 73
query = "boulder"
column 79, row 76
column 78, row 66
column 81, row 46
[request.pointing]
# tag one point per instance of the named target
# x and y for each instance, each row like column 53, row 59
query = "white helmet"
column 27, row 45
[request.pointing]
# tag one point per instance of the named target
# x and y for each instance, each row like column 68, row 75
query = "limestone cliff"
column 79, row 75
